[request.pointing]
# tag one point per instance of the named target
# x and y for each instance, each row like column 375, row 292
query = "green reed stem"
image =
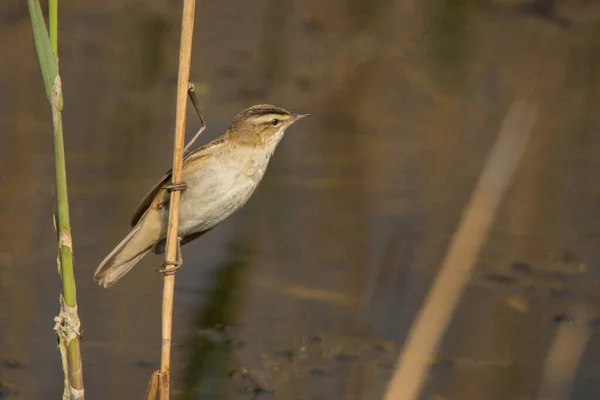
column 53, row 24
column 68, row 325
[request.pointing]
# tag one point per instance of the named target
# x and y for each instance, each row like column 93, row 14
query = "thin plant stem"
column 67, row 323
column 153, row 386
column 436, row 313
column 53, row 24
column 185, row 55
column 565, row 354
column 65, row 248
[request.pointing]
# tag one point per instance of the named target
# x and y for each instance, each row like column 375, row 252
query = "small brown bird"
column 219, row 176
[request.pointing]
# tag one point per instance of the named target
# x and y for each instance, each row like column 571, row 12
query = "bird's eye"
column 275, row 122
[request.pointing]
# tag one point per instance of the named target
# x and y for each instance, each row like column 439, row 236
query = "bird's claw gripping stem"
column 170, row 267
column 180, row 186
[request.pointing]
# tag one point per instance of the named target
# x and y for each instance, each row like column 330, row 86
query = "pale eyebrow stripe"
column 271, row 116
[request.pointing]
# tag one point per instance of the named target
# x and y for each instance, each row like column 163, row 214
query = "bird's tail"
column 127, row 253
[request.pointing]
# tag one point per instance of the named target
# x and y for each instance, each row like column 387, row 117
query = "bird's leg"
column 194, row 99
column 170, row 267
column 179, row 257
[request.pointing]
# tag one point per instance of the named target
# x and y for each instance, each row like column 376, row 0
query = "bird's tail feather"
column 125, row 256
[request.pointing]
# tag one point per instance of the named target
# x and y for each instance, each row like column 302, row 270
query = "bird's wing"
column 200, row 152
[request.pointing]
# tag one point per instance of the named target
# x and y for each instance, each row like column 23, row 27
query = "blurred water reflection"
column 354, row 215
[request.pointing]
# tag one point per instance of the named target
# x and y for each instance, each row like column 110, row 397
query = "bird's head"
column 262, row 124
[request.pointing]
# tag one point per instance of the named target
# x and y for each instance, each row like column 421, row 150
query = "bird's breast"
column 218, row 187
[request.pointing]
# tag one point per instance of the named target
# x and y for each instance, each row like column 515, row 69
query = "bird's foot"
column 173, row 186
column 170, row 267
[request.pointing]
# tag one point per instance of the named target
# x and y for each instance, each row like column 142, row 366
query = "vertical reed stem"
column 185, row 54
column 67, row 323
column 65, row 246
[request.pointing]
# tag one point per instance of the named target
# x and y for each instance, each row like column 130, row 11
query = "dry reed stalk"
column 153, row 386
column 185, row 55
column 564, row 355
column 436, row 313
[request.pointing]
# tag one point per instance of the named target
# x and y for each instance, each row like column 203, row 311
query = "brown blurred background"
column 314, row 284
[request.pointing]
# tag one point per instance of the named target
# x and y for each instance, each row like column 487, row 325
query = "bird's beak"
column 300, row 116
